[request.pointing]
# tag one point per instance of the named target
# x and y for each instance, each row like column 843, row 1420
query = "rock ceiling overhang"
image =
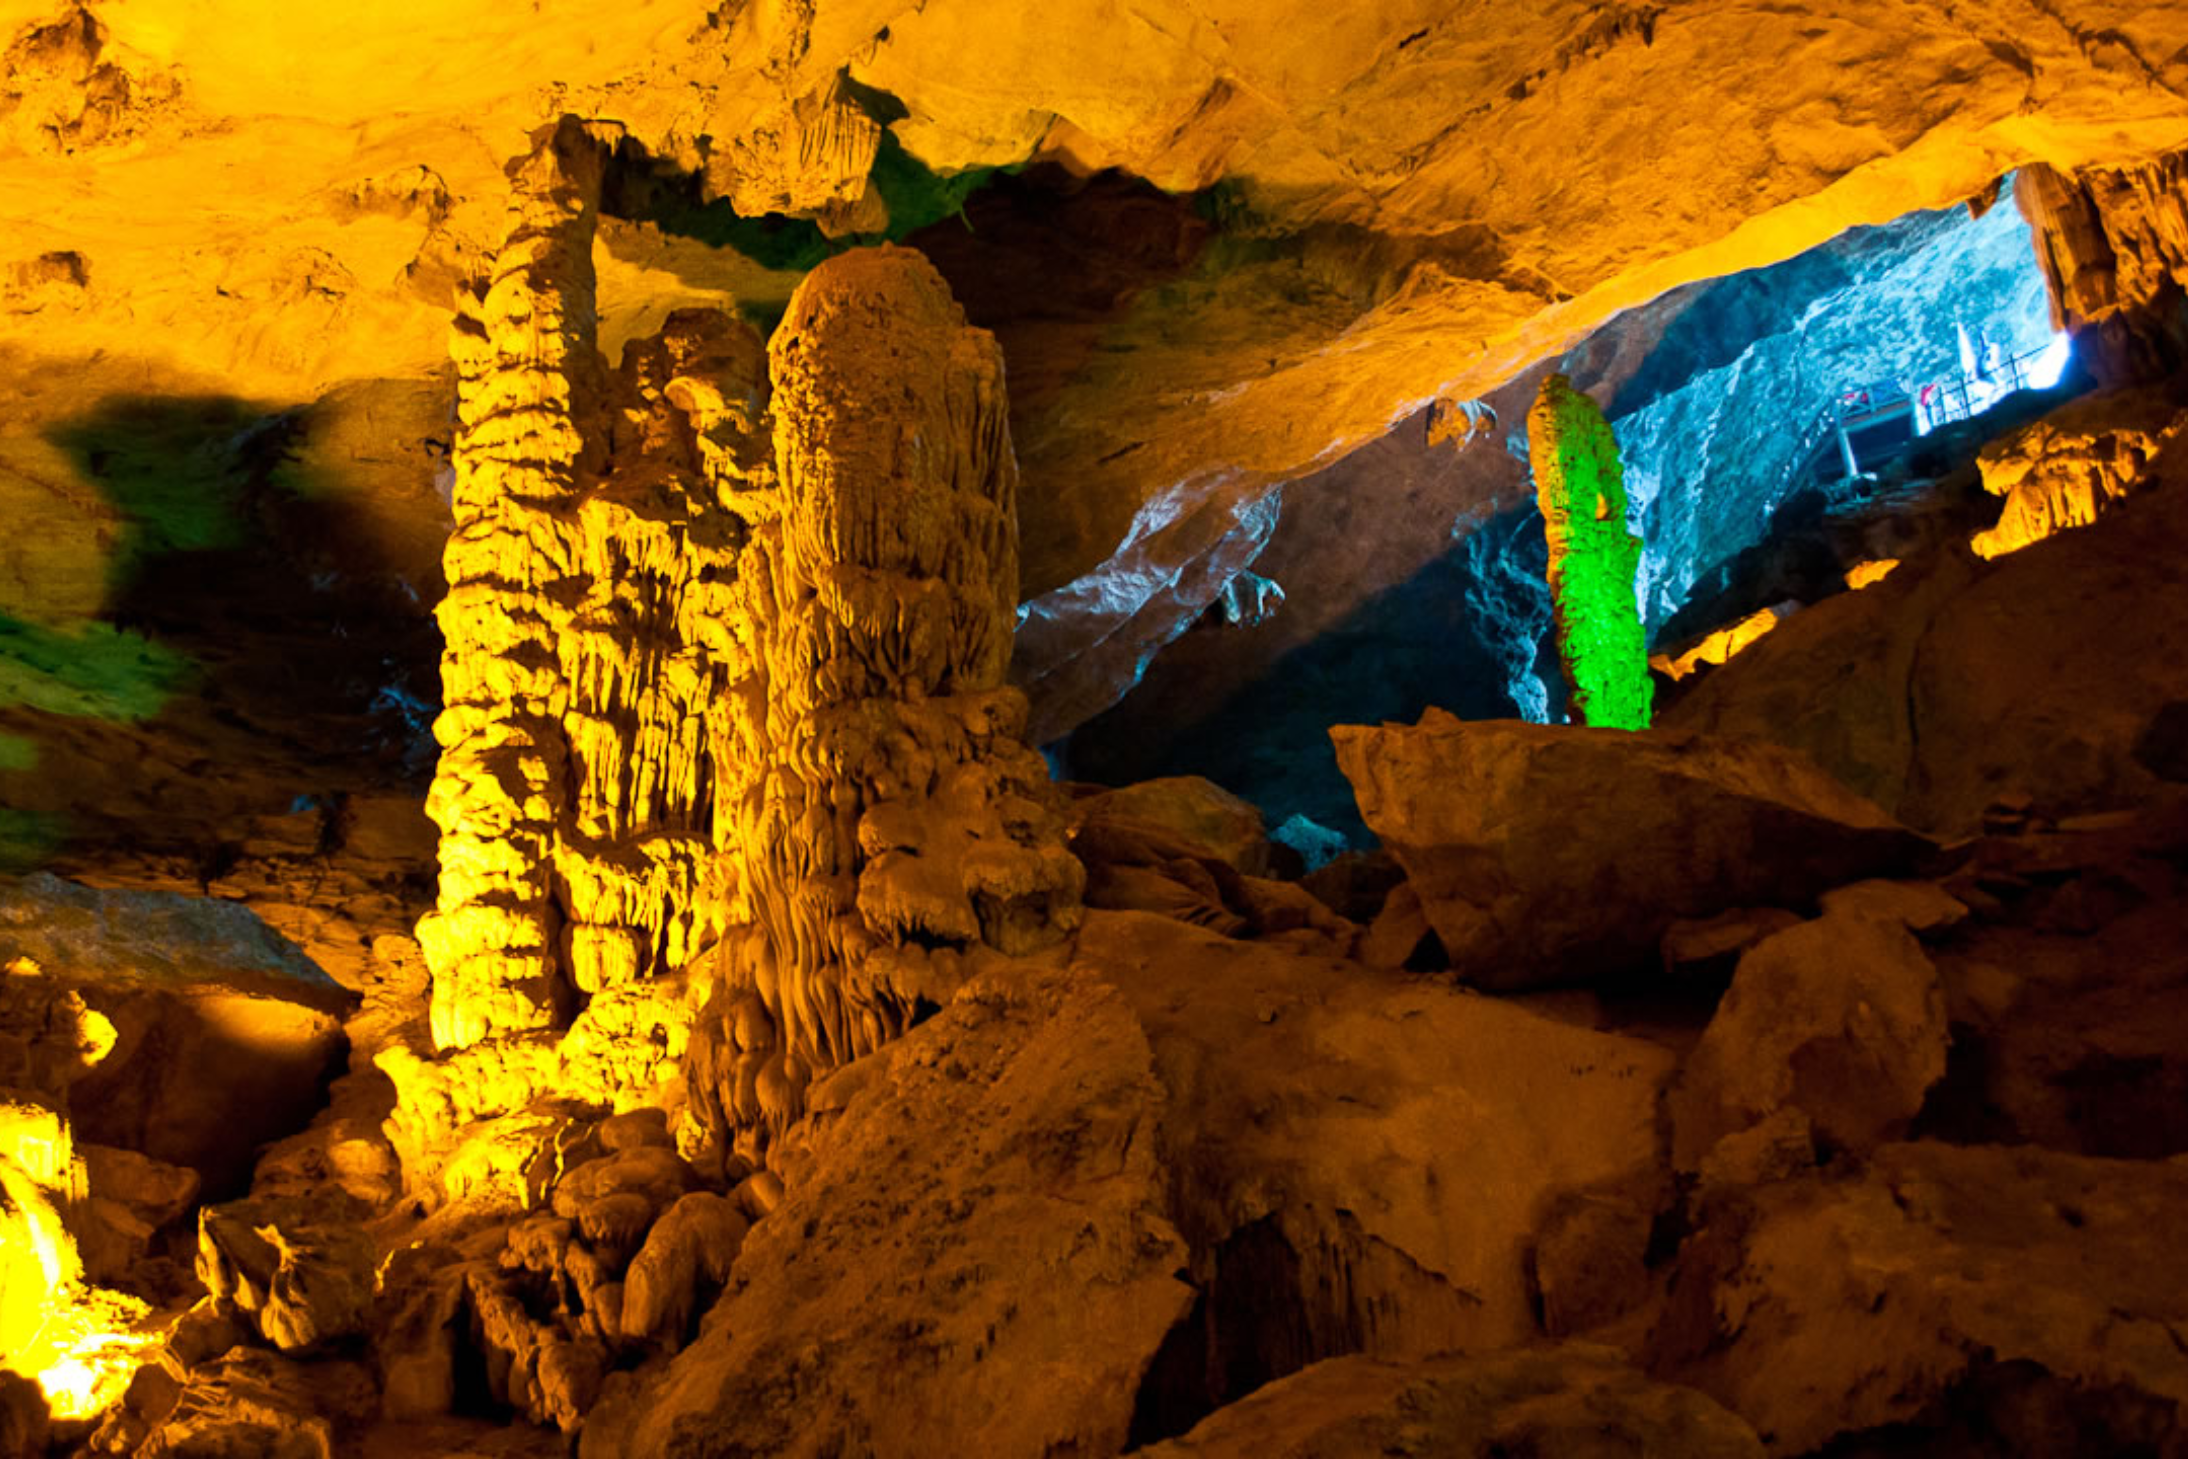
column 264, row 198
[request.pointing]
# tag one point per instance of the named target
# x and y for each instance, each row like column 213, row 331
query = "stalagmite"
column 887, row 815
column 589, row 632
column 1593, row 557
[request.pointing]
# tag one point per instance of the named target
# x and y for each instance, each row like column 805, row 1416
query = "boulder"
column 687, row 1255
column 1575, row 1401
column 971, row 1257
column 2069, row 1038
column 1828, row 1307
column 257, row 1403
column 302, row 1276
column 1545, row 854
column 1203, row 815
column 1841, row 1018
column 1365, row 1161
column 191, row 986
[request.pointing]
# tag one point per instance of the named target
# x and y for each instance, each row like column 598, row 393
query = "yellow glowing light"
column 1721, row 645
column 1864, row 574
column 97, row 1340
column 72, row 1388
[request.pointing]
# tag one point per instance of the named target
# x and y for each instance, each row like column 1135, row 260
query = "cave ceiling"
column 1379, row 205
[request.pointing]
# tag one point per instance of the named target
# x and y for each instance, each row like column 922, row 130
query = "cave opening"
column 1779, row 428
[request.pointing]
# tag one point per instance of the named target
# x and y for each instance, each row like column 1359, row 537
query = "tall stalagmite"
column 589, row 628
column 887, row 814
column 1593, row 557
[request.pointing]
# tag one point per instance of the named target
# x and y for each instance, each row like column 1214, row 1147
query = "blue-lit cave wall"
column 1711, row 423
column 1412, row 572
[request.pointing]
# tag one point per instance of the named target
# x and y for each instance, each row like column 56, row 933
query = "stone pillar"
column 886, row 816
column 1593, row 558
column 587, row 624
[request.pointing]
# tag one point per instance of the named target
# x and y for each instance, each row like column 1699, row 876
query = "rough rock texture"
column 1594, row 557
column 1869, row 1301
column 1397, row 239
column 1544, row 854
column 1716, row 417
column 2114, row 245
column 2067, row 1001
column 1574, row 1400
column 1952, row 683
column 185, row 985
column 1331, row 1132
column 998, row 1285
column 2075, row 464
column 881, row 812
column 586, row 626
column 1412, row 576
column 1841, row 1019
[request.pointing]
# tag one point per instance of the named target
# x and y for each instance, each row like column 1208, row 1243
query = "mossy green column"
column 1593, row 558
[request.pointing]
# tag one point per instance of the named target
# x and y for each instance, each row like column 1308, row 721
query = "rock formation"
column 1594, row 557
column 2114, row 245
column 2076, row 463
column 1635, row 832
column 784, row 1063
column 882, row 815
column 586, row 622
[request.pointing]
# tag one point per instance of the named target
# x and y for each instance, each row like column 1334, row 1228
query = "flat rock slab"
column 1548, row 854
column 225, row 1032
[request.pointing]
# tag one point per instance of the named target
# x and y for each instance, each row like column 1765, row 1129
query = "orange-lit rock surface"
column 1635, row 832
column 1955, row 681
column 1568, row 1400
column 195, row 199
column 750, row 1048
column 2076, row 463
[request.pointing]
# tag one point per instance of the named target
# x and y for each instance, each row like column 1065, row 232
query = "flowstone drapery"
column 1593, row 557
column 589, row 636
column 725, row 716
column 884, row 813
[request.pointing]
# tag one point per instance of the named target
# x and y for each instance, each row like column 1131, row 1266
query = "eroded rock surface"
column 1574, row 1400
column 1544, row 854
column 1000, row 1284
column 187, row 985
column 1951, row 684
column 882, row 813
column 1872, row 1300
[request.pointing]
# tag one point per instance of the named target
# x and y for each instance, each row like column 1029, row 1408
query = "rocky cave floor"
column 1713, row 1111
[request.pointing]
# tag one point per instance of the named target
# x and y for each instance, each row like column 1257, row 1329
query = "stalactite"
column 2113, row 245
column 880, row 812
column 1593, row 557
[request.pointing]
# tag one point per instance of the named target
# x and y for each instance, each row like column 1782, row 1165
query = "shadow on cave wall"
column 1426, row 642
column 258, row 649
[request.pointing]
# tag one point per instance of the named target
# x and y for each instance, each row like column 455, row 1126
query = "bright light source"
column 2045, row 370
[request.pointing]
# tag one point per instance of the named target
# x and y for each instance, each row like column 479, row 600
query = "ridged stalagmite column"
column 886, row 814
column 587, row 623
column 530, row 428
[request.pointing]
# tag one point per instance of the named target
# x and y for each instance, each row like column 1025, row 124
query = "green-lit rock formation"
column 1593, row 557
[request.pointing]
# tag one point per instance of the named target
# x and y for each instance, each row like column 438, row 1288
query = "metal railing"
column 1956, row 397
